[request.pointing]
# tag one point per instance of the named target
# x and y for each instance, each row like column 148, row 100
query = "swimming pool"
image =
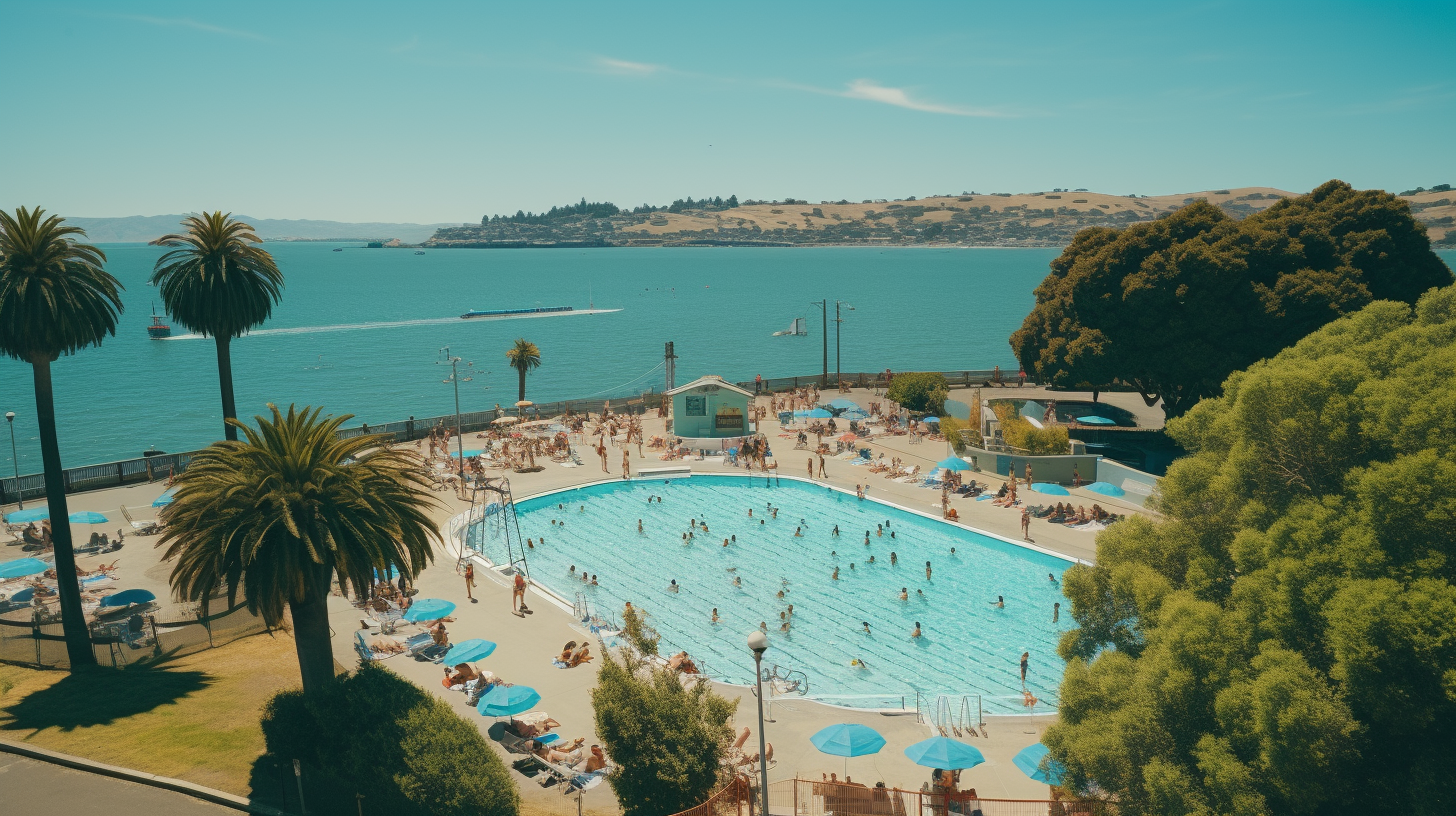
column 968, row 645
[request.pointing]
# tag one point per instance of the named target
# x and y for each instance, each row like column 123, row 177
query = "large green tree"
column 1282, row 638
column 666, row 736
column 523, row 356
column 219, row 285
column 278, row 515
column 56, row 297
column 1174, row 306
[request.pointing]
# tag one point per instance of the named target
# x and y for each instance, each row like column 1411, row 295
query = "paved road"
column 29, row 786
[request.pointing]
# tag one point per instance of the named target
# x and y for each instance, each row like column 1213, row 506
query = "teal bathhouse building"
column 709, row 408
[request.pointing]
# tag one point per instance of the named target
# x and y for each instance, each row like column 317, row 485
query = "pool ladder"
column 951, row 715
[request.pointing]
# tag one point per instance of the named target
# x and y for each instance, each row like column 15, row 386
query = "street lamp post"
column 758, row 643
column 824, row 321
column 455, row 378
column 838, row 371
column 15, row 459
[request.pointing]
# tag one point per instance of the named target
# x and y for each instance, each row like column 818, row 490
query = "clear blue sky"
column 439, row 112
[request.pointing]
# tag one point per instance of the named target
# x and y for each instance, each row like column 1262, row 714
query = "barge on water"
column 508, row 312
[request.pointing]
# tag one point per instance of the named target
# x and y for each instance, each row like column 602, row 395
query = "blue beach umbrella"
column 164, row 499
column 506, row 701
column 1050, row 489
column 23, row 596
column 1036, row 762
column 1105, row 488
column 848, row 740
column 1096, row 420
column 27, row 516
column 21, row 567
column 127, row 597
column 467, row 651
column 428, row 609
column 954, row 463
column 944, row 753
column 931, row 420
column 468, row 454
column 88, row 517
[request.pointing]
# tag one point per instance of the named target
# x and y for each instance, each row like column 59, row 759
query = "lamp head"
column 9, row 416
column 758, row 642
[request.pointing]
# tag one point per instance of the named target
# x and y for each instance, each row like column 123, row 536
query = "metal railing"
column 808, row 797
column 35, row 638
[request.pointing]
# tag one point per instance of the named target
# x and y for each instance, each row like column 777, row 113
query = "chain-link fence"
column 34, row 637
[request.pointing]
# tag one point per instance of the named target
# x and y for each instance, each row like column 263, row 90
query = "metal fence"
column 876, row 379
column 35, row 638
column 807, row 797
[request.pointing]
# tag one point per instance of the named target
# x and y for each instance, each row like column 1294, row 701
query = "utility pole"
column 838, row 371
column 669, row 359
column 824, row 321
column 15, row 459
column 455, row 378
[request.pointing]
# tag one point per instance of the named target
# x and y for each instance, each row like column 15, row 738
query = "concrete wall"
column 1139, row 485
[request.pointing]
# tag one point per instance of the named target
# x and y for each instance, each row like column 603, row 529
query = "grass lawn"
column 192, row 718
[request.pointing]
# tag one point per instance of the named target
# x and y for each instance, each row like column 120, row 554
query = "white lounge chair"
column 144, row 527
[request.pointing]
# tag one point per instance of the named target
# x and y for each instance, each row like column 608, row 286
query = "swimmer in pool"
column 1056, row 611
column 715, row 615
column 763, row 626
column 781, row 595
column 835, row 576
column 725, row 542
column 1051, row 577
column 737, row 581
column 916, row 632
column 894, row 559
column 866, row 625
column 775, row 512
column 920, row 593
column 834, row 553
column 952, row 550
column 560, row 507
column 685, row 538
column 705, row 527
column 836, row 530
column 673, row 587
column 904, row 594
column 999, row 603
column 927, row 570
column 858, row 664
column 867, row 538
column 784, row 627
column 594, row 581
column 798, row 532
column 879, row 530
column 553, row 522
column 760, row 521
column 581, row 509
column 639, row 525
column 892, row 534
column 791, row 610
column 872, row 559
column 851, row 565
column 750, row 512
column 733, row 538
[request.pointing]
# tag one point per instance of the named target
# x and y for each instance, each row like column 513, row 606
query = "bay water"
column 360, row 331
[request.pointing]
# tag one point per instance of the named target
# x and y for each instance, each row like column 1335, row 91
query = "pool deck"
column 527, row 644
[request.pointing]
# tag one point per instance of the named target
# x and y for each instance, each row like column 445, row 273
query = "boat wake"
column 395, row 324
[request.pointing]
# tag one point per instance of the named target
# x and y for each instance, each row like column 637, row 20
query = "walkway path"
column 31, row 786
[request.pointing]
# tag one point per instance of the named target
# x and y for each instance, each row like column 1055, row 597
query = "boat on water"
column 338, row 249
column 419, row 252
column 505, row 312
column 158, row 330
column 795, row 329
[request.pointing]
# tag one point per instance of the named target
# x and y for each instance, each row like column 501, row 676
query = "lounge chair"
column 361, row 646
column 145, row 527
column 423, row 647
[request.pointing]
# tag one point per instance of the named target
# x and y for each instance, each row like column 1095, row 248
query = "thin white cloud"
column 184, row 22
column 616, row 66
column 872, row 91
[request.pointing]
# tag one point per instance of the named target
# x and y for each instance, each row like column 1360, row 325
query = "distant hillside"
column 995, row 219
column 142, row 228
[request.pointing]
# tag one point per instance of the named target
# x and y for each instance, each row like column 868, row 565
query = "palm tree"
column 55, row 298
column 218, row 285
column 523, row 357
column 277, row 515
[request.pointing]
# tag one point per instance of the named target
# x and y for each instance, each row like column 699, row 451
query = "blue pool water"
column 968, row 645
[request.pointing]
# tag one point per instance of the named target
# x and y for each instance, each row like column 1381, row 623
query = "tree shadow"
column 100, row 696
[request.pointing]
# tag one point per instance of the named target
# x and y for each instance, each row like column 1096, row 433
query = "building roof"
column 710, row 379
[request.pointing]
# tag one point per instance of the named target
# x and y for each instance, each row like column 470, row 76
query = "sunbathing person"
column 533, row 725
column 567, row 651
column 595, row 761
column 386, row 645
column 439, row 634
column 581, row 655
column 463, row 674
column 558, row 756
column 681, row 662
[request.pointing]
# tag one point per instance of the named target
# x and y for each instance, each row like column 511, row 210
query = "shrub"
column 635, row 629
column 953, row 429
column 666, row 737
column 1021, row 434
column 376, row 734
column 923, row 391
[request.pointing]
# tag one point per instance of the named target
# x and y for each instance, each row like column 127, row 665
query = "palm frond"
column 268, row 516
column 215, row 282
column 56, row 296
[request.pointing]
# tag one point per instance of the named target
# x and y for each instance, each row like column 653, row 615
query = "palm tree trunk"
column 522, row 372
column 73, row 620
column 225, row 379
column 312, row 640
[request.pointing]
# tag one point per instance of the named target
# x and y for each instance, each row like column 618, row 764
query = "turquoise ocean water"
column 949, row 308
column 914, row 308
